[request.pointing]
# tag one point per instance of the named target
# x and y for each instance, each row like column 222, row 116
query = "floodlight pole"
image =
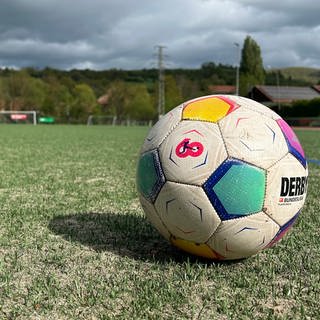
column 278, row 88
column 237, row 68
column 161, row 96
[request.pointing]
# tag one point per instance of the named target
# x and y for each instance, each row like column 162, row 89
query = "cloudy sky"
column 103, row 34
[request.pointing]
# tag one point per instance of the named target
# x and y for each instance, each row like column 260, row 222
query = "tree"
column 119, row 99
column 24, row 92
column 58, row 100
column 189, row 89
column 251, row 65
column 3, row 95
column 173, row 95
column 130, row 100
column 208, row 69
column 84, row 102
column 140, row 104
column 34, row 94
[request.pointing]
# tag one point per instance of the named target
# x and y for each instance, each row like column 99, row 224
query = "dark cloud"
column 103, row 34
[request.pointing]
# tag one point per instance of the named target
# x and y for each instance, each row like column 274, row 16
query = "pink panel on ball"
column 291, row 136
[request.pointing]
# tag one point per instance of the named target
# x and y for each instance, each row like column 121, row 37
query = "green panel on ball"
column 150, row 177
column 241, row 190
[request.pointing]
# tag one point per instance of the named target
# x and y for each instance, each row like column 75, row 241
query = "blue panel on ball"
column 150, row 177
column 236, row 189
column 297, row 154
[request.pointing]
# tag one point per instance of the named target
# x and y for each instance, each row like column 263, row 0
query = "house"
column 222, row 89
column 104, row 99
column 316, row 87
column 282, row 95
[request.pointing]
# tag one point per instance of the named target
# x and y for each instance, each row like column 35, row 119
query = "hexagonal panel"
column 252, row 105
column 161, row 129
column 153, row 217
column 150, row 177
column 208, row 108
column 243, row 237
column 186, row 212
column 253, row 137
column 192, row 151
column 236, row 189
column 292, row 141
column 286, row 189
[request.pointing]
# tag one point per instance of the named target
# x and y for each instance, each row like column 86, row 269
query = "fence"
column 304, row 122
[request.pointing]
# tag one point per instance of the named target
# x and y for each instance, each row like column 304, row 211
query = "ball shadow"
column 123, row 234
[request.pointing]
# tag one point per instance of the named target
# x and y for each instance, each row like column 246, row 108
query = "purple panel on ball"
column 292, row 141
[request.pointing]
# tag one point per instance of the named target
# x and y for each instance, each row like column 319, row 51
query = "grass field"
column 74, row 243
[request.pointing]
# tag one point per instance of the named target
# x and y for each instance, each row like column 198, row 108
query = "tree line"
column 71, row 96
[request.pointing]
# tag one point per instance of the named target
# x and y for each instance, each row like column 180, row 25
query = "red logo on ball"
column 185, row 149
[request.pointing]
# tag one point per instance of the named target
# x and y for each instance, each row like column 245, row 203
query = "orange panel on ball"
column 202, row 250
column 212, row 109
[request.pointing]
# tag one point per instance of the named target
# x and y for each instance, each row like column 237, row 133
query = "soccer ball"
column 222, row 177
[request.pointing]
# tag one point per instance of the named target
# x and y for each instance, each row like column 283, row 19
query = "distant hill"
column 311, row 75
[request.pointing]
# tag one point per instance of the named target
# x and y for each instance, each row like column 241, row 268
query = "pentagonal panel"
column 253, row 137
column 150, row 177
column 208, row 108
column 243, row 237
column 255, row 106
column 161, row 129
column 186, row 212
column 236, row 189
column 192, row 151
column 292, row 141
column 198, row 249
column 283, row 230
column 286, row 189
column 153, row 217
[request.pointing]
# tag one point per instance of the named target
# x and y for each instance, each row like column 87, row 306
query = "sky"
column 124, row 34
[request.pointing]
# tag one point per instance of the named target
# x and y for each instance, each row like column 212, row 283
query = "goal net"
column 28, row 117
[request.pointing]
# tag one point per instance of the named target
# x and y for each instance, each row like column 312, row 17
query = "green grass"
column 74, row 243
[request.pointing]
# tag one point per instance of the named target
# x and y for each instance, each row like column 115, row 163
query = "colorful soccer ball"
column 222, row 177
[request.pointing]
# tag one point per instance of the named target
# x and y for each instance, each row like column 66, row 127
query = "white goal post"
column 21, row 115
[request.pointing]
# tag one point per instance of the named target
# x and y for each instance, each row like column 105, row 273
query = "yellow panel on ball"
column 202, row 249
column 211, row 108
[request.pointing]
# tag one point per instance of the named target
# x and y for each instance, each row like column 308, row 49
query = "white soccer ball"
column 222, row 177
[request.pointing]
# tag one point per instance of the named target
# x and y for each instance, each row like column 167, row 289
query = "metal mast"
column 237, row 67
column 161, row 96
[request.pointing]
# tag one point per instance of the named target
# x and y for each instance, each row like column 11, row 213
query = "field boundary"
column 307, row 128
